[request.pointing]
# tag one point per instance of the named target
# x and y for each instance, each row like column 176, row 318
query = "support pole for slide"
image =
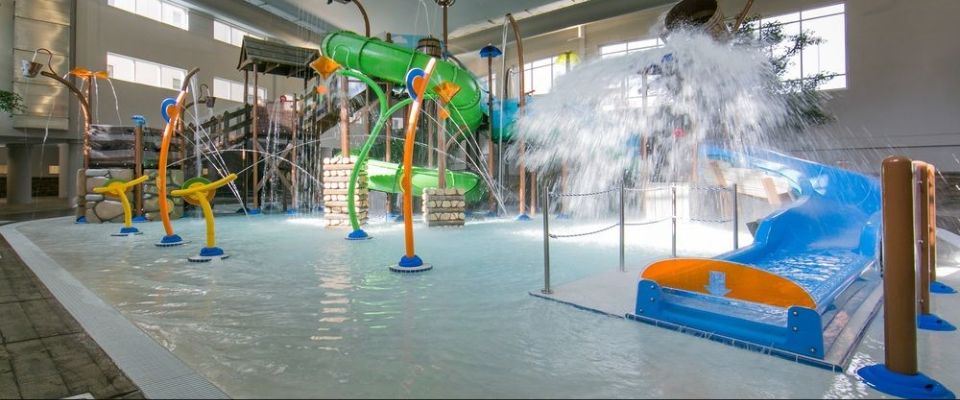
column 736, row 217
column 521, row 103
column 138, row 122
column 546, row 240
column 899, row 375
column 419, row 80
column 256, row 141
column 924, row 229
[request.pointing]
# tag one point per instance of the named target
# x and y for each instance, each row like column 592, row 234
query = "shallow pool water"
column 297, row 311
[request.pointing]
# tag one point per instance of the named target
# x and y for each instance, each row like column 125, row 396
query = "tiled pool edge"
column 155, row 370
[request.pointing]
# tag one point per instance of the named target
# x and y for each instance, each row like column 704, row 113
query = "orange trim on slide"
column 744, row 282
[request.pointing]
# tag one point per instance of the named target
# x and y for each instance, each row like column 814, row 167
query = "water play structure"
column 818, row 270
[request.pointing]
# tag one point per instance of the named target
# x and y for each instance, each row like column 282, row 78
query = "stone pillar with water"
column 443, row 207
column 336, row 181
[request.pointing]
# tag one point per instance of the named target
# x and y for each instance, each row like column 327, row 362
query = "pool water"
column 297, row 311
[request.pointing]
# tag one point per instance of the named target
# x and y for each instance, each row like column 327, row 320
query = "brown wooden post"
column 533, row 193
column 932, row 222
column 922, row 230
column 441, row 154
column 490, row 165
column 256, row 142
column 521, row 103
column 86, row 131
column 138, row 167
column 295, row 124
column 899, row 273
column 344, row 117
column 246, row 90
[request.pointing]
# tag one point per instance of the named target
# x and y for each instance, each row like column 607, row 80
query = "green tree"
column 805, row 99
column 10, row 102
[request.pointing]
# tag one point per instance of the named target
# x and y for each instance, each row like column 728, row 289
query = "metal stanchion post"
column 673, row 206
column 545, row 195
column 622, row 245
column 736, row 219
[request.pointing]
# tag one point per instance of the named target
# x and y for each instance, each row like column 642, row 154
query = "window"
column 157, row 10
column 829, row 57
column 233, row 91
column 635, row 89
column 227, row 33
column 619, row 49
column 539, row 75
column 144, row 72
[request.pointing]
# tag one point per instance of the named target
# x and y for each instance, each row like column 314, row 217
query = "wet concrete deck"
column 44, row 353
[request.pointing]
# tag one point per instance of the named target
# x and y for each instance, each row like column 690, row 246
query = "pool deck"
column 60, row 340
column 614, row 293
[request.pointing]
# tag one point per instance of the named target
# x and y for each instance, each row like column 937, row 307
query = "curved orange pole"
column 168, row 132
column 411, row 134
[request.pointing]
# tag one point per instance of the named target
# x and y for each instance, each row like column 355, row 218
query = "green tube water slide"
column 390, row 62
column 367, row 57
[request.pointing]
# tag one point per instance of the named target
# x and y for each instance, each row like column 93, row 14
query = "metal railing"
column 546, row 195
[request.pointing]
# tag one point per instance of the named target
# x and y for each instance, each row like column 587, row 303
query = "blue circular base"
column 408, row 270
column 937, row 287
column 140, row 218
column 398, row 218
column 204, row 259
column 523, row 217
column 563, row 216
column 211, row 252
column 129, row 230
column 123, row 233
column 81, row 220
column 253, row 211
column 917, row 386
column 358, row 234
column 410, row 262
column 292, row 212
column 931, row 322
column 171, row 240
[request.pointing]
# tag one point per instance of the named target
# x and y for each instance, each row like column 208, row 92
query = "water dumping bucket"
column 697, row 14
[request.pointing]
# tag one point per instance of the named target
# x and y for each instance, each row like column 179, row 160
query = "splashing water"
column 673, row 99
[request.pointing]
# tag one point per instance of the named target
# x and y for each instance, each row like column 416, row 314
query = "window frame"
column 162, row 70
column 231, row 31
column 237, row 86
column 165, row 6
column 797, row 17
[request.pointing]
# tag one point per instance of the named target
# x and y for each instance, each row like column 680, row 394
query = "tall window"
column 830, row 57
column 619, row 49
column 233, row 90
column 539, row 75
column 227, row 33
column 157, row 10
column 144, row 72
column 635, row 89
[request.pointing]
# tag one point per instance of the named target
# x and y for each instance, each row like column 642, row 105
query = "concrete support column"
column 70, row 161
column 19, row 187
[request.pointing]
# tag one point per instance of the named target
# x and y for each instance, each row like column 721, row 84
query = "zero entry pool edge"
column 152, row 368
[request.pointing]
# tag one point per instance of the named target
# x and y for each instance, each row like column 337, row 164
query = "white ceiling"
column 421, row 17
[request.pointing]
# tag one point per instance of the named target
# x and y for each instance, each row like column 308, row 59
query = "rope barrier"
column 555, row 236
column 656, row 221
column 552, row 194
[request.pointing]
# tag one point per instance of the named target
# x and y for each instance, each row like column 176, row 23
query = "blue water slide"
column 823, row 242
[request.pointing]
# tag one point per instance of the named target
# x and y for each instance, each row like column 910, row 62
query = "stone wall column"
column 19, row 187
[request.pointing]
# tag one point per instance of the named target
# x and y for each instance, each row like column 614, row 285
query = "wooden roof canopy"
column 276, row 58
